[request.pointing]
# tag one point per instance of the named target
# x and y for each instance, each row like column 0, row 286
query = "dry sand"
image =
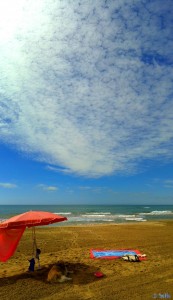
column 150, row 279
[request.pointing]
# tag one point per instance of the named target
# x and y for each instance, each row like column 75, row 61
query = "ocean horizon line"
column 85, row 204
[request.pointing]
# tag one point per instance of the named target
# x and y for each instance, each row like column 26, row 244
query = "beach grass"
column 148, row 279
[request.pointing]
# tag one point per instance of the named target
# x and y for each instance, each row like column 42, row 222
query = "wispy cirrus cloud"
column 87, row 88
column 7, row 185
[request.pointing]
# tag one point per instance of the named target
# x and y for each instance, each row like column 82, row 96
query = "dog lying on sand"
column 129, row 257
column 58, row 273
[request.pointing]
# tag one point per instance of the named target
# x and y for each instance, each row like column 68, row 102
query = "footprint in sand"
column 169, row 280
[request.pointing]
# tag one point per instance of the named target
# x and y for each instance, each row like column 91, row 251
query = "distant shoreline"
column 150, row 222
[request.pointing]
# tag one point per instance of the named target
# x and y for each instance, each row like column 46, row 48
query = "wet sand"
column 150, row 279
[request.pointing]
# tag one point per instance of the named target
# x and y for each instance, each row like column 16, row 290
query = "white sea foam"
column 104, row 218
column 2, row 220
column 63, row 213
column 94, row 216
column 135, row 219
column 125, row 216
column 158, row 212
column 99, row 213
column 84, row 220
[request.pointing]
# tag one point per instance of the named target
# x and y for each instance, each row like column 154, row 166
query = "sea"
column 95, row 214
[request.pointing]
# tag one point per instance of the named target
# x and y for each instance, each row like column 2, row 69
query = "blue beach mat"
column 112, row 254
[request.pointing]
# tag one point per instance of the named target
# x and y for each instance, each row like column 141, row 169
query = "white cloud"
column 51, row 188
column 58, row 170
column 7, row 185
column 168, row 183
column 85, row 188
column 48, row 188
column 86, row 87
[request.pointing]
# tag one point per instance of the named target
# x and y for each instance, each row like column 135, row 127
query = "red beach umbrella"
column 12, row 230
column 32, row 218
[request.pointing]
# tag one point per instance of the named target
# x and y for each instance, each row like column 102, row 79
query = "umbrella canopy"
column 12, row 230
column 32, row 218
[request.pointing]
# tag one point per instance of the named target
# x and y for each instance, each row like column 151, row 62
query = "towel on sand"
column 113, row 254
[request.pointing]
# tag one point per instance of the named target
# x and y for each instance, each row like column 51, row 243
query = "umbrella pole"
column 34, row 249
column 34, row 246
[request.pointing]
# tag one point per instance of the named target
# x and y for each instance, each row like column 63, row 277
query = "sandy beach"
column 150, row 279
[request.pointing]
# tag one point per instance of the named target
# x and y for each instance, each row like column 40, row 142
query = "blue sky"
column 86, row 106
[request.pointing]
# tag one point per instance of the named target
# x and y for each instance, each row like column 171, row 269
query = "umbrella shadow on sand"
column 82, row 274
